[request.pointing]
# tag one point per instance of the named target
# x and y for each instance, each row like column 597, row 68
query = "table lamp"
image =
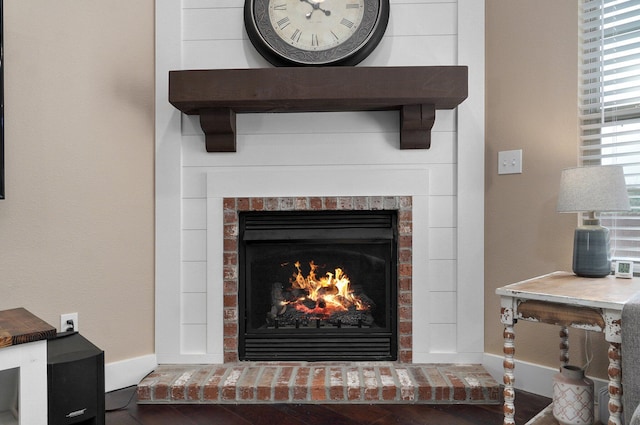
column 592, row 190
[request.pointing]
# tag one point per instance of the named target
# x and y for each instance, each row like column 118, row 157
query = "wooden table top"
column 19, row 326
column 567, row 288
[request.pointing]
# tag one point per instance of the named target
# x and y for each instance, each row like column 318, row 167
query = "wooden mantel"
column 217, row 95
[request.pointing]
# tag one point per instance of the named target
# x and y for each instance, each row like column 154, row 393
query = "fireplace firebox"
column 317, row 285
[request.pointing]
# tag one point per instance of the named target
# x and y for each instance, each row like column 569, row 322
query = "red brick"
column 271, row 204
column 210, row 390
column 246, row 388
column 256, row 204
column 230, row 383
column 143, row 392
column 405, row 241
column 371, row 384
column 404, row 313
column 231, row 356
column 387, row 381
column 265, row 384
column 229, row 203
column 301, row 203
column 230, row 244
column 405, row 356
column 440, row 386
column 425, row 392
column 178, row 388
column 242, row 204
column 405, row 255
column 281, row 392
column 301, row 384
column 354, row 384
column 315, row 203
column 230, row 301
column 330, row 203
column 459, row 390
column 405, row 270
column 318, row 384
column 336, row 384
column 230, row 259
column 194, row 388
column 405, row 283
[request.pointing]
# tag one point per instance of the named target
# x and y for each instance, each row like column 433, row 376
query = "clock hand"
column 316, row 6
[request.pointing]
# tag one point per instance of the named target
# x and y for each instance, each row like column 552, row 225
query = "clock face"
column 315, row 32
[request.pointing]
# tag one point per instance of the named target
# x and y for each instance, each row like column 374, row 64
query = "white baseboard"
column 125, row 373
column 530, row 377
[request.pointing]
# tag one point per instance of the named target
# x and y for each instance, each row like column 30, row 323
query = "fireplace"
column 317, row 285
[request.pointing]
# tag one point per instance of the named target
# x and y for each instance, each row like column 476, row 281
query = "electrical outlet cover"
column 68, row 316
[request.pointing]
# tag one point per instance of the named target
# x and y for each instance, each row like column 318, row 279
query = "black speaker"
column 75, row 372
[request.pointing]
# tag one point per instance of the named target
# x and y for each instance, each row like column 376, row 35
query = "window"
column 610, row 106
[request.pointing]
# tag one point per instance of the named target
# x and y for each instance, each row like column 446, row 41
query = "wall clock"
column 315, row 32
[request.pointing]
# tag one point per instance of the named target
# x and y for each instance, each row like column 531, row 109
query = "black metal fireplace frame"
column 322, row 344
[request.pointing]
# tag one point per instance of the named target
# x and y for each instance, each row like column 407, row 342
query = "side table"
column 23, row 346
column 566, row 300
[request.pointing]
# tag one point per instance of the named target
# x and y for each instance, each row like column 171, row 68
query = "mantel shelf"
column 417, row 92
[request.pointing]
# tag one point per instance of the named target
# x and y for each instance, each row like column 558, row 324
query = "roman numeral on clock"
column 347, row 23
column 283, row 23
column 296, row 35
column 280, row 7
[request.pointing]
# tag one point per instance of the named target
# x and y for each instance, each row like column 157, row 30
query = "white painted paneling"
column 443, row 180
column 442, row 243
column 212, row 24
column 194, row 309
column 194, row 245
column 194, row 214
column 442, row 307
column 409, row 19
column 442, row 211
column 415, row 50
column 194, row 182
column 194, row 276
column 217, row 4
column 193, row 339
column 442, row 274
column 221, row 54
column 319, row 150
column 444, row 338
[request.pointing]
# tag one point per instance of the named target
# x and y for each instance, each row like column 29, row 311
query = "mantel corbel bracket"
column 219, row 127
column 416, row 122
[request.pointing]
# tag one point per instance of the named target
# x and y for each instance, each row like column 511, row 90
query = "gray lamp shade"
column 597, row 189
column 592, row 189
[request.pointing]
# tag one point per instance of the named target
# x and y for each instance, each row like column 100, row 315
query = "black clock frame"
column 280, row 53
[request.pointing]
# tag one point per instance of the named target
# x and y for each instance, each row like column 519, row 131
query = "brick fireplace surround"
column 319, row 382
column 232, row 206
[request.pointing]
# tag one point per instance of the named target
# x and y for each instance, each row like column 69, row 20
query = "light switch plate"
column 510, row 162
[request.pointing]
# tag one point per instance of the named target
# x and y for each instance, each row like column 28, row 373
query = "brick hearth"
column 326, row 382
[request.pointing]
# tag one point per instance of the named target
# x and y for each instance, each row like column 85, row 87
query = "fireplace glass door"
column 318, row 285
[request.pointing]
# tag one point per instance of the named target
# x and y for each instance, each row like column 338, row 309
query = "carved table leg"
column 615, row 384
column 564, row 346
column 509, row 378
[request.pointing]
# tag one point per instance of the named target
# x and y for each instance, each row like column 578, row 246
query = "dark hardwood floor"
column 123, row 410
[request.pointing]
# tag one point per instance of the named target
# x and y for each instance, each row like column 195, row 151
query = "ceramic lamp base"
column 591, row 254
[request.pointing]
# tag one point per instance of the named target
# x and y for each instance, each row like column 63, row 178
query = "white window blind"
column 610, row 106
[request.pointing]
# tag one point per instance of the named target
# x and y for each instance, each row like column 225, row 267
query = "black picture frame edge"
column 2, row 181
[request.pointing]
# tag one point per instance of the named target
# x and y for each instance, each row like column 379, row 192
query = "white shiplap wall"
column 448, row 282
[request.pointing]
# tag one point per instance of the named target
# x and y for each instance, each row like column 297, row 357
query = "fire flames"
column 325, row 295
